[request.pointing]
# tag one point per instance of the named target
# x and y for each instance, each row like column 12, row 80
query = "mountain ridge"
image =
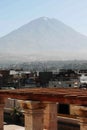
column 47, row 38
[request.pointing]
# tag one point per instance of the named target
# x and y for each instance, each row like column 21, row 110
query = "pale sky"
column 15, row 13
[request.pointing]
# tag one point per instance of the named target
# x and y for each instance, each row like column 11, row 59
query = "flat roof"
column 61, row 95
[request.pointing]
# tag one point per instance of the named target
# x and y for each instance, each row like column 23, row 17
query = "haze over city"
column 43, row 64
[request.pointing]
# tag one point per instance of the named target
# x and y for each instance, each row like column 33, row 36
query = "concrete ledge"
column 67, row 120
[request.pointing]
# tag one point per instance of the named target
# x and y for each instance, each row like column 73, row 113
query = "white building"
column 83, row 79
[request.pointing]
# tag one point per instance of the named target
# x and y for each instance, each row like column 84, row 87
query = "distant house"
column 65, row 78
column 83, row 78
column 4, row 77
column 44, row 78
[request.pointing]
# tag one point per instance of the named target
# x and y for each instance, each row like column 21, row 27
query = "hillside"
column 43, row 39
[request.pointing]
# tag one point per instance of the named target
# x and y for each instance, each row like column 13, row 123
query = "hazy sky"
column 14, row 13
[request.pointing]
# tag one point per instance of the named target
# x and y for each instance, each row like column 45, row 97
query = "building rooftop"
column 61, row 95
